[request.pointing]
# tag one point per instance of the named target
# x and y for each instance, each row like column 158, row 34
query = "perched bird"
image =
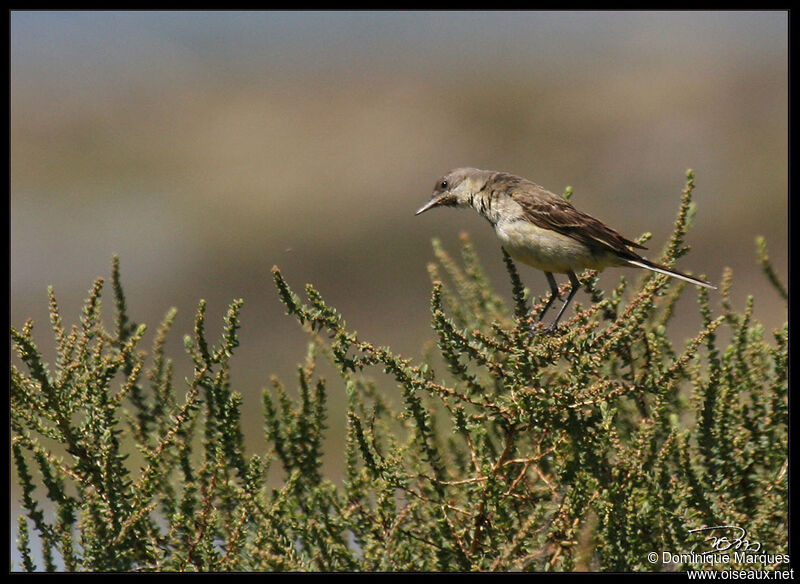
column 541, row 229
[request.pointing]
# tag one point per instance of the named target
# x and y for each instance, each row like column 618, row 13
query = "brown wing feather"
column 550, row 211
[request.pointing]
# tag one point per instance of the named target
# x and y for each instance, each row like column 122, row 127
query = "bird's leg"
column 553, row 295
column 575, row 287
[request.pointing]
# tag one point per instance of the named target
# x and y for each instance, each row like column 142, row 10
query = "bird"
column 543, row 230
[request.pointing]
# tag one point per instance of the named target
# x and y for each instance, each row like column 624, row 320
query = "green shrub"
column 582, row 450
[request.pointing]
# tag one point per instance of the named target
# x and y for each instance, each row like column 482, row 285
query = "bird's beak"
column 432, row 203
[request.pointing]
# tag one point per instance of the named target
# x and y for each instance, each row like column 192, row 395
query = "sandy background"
column 205, row 147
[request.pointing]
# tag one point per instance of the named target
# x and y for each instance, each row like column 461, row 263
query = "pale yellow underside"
column 548, row 250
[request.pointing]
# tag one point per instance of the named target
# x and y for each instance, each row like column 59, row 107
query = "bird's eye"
column 443, row 185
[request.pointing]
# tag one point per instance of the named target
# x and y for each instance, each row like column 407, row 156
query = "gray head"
column 456, row 188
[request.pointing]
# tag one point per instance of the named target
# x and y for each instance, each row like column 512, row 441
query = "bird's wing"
column 550, row 211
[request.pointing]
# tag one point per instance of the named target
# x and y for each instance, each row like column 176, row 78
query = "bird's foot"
column 539, row 329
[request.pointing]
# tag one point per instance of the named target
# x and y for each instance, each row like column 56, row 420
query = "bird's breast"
column 548, row 250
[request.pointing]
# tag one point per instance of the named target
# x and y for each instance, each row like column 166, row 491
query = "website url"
column 741, row 574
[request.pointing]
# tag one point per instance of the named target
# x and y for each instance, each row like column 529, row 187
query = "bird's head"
column 456, row 189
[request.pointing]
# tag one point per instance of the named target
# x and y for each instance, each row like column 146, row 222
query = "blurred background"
column 206, row 147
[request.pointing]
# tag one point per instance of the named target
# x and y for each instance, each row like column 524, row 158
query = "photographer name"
column 723, row 558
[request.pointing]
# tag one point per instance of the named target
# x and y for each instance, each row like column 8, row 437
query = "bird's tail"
column 648, row 265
